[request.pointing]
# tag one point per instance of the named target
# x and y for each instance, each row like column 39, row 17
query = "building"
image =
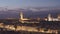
column 58, row 17
column 55, row 19
column 26, row 20
column 22, row 19
column 49, row 17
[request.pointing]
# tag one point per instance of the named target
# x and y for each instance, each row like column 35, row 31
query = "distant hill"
column 29, row 12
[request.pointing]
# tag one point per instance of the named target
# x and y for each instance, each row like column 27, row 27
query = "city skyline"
column 29, row 16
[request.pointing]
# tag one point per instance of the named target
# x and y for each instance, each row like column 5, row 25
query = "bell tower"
column 49, row 17
column 21, row 15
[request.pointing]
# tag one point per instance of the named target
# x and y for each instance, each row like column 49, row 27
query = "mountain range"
column 29, row 12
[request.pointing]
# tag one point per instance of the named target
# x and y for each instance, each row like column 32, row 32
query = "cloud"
column 44, row 9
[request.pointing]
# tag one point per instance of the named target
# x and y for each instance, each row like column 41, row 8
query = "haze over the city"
column 39, row 8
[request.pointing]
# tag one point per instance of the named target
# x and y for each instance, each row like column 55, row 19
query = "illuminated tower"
column 21, row 15
column 22, row 19
column 49, row 17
